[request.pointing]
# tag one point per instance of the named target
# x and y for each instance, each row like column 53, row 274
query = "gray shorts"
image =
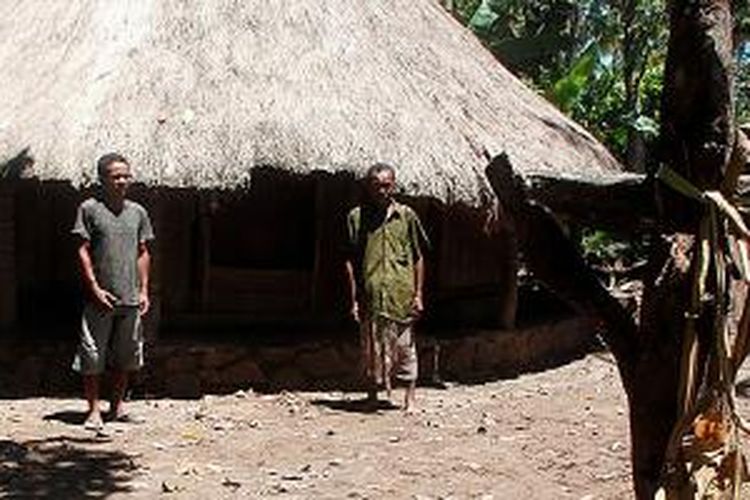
column 109, row 339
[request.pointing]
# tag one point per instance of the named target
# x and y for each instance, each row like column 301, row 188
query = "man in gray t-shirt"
column 115, row 261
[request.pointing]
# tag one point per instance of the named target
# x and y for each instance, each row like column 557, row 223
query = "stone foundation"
column 182, row 368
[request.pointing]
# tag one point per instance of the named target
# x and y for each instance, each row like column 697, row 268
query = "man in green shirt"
column 385, row 271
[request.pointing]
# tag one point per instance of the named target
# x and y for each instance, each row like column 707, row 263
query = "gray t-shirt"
column 114, row 240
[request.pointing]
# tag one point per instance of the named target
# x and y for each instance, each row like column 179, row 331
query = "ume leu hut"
column 247, row 124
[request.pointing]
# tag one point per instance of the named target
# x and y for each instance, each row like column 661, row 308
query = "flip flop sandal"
column 93, row 425
column 127, row 418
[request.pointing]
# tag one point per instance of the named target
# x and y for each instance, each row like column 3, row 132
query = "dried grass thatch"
column 197, row 93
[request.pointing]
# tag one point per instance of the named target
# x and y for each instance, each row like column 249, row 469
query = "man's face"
column 381, row 186
column 117, row 180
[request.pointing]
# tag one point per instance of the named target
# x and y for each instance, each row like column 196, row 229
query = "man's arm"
column 352, row 286
column 102, row 296
column 419, row 244
column 418, row 302
column 144, row 266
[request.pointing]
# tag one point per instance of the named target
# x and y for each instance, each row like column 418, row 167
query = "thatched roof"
column 196, row 93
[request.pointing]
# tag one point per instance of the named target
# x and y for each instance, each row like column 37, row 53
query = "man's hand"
column 354, row 312
column 105, row 298
column 144, row 303
column 417, row 306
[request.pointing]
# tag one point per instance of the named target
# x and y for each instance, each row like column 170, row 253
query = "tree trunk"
column 633, row 67
column 697, row 128
column 648, row 364
column 698, row 139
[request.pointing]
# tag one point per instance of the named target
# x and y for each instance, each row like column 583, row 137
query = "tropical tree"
column 742, row 60
column 599, row 61
column 678, row 364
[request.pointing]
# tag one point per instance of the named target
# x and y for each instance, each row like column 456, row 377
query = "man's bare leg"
column 91, row 392
column 410, row 395
column 119, row 384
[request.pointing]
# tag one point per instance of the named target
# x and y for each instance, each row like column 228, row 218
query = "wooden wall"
column 335, row 196
column 7, row 257
column 202, row 237
column 476, row 268
column 48, row 287
column 176, row 225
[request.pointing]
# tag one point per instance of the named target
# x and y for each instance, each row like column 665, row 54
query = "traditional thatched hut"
column 247, row 122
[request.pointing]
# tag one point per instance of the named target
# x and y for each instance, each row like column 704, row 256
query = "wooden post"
column 155, row 314
column 204, row 244
column 8, row 305
column 317, row 273
column 509, row 305
column 333, row 197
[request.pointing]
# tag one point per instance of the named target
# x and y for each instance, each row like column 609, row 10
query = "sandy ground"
column 553, row 435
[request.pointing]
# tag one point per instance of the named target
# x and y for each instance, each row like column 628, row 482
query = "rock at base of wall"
column 184, row 370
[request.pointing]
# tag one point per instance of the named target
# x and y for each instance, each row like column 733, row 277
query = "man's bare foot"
column 437, row 383
column 117, row 413
column 93, row 421
column 116, row 410
column 409, row 397
column 408, row 408
column 371, row 402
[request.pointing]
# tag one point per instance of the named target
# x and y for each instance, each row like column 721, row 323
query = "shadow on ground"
column 355, row 405
column 62, row 467
column 67, row 417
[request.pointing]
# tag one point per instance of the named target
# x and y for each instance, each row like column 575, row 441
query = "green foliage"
column 608, row 250
column 742, row 83
column 742, row 66
column 600, row 61
column 465, row 9
column 602, row 245
column 570, row 88
column 527, row 34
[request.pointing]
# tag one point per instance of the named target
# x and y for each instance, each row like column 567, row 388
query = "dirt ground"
column 557, row 434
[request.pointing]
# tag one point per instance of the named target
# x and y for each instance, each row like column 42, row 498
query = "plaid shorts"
column 388, row 351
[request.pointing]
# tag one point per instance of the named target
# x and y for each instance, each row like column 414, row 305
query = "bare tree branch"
column 554, row 259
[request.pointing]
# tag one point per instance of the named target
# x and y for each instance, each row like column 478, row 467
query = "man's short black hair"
column 380, row 166
column 103, row 163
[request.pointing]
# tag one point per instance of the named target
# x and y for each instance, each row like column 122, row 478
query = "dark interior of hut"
column 264, row 263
